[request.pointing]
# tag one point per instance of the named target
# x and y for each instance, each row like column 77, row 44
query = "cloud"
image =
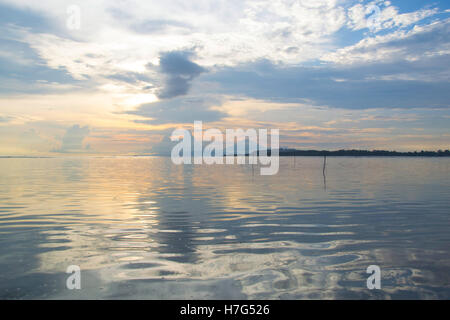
column 38, row 22
column 152, row 26
column 5, row 119
column 380, row 85
column 129, row 77
column 405, row 69
column 416, row 44
column 164, row 147
column 226, row 34
column 22, row 71
column 72, row 140
column 178, row 72
column 180, row 110
column 305, row 54
column 380, row 15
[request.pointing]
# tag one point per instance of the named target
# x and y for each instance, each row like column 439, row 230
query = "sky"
column 117, row 77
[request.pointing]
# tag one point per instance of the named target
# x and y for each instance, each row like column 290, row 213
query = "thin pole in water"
column 294, row 159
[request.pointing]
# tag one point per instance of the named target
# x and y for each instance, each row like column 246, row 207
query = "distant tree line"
column 363, row 153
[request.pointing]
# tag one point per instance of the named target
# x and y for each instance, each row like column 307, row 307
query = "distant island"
column 285, row 152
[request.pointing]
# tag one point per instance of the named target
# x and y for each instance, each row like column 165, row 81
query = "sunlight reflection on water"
column 144, row 228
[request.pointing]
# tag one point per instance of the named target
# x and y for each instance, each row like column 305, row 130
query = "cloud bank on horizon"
column 330, row 74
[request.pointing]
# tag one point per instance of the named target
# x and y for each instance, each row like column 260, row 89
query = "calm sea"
column 143, row 228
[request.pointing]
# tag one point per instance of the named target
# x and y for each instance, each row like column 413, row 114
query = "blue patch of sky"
column 347, row 37
column 25, row 18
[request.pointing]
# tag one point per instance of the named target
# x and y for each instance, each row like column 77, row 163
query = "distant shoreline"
column 282, row 153
column 361, row 153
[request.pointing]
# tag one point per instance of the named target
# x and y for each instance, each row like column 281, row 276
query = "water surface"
column 143, row 228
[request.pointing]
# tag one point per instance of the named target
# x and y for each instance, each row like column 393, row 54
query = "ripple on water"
column 144, row 228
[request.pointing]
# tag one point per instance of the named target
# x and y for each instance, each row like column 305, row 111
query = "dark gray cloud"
column 180, row 110
column 73, row 139
column 23, row 71
column 178, row 72
column 400, row 84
